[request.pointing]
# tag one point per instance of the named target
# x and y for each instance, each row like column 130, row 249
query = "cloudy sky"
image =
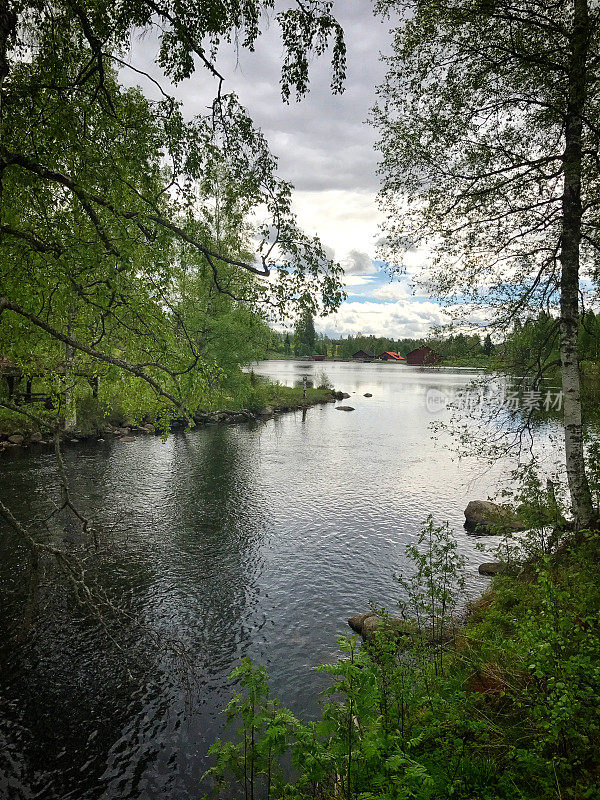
column 326, row 149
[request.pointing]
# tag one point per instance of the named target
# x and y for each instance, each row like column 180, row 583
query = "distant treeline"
column 531, row 345
column 304, row 341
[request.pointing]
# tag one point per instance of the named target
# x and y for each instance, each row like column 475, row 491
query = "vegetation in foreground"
column 502, row 708
column 246, row 391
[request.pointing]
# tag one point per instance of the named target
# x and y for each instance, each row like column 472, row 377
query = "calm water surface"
column 250, row 540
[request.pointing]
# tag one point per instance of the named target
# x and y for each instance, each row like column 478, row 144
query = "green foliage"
column 532, row 344
column 436, row 585
column 481, row 137
column 323, row 381
column 509, row 713
column 127, row 247
column 305, row 336
column 263, row 735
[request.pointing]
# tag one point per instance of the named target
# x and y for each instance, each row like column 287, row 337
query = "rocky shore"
column 126, row 432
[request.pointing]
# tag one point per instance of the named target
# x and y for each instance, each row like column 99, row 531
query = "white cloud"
column 347, row 221
column 397, row 290
column 398, row 320
column 358, row 280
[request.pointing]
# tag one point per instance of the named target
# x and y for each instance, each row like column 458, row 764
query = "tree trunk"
column 581, row 501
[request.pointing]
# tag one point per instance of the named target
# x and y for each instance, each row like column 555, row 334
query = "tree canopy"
column 119, row 218
column 490, row 151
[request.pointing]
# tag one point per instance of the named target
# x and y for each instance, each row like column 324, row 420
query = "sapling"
column 436, row 587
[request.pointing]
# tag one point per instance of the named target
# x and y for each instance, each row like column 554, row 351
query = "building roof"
column 393, row 355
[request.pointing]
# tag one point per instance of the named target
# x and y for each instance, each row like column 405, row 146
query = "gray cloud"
column 322, row 142
column 358, row 263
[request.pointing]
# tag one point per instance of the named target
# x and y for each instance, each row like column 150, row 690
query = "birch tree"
column 490, row 156
column 103, row 192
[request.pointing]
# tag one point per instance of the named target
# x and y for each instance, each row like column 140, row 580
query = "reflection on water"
column 241, row 540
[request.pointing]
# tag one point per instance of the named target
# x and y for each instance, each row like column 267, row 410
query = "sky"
column 326, row 149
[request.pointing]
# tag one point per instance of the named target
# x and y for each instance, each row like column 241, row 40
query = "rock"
column 36, row 437
column 357, row 621
column 483, row 516
column 490, row 568
column 100, row 440
column 344, row 408
column 121, row 431
column 16, row 438
column 371, row 624
column 345, row 395
column 368, row 394
column 267, row 411
column 127, row 439
column 368, row 624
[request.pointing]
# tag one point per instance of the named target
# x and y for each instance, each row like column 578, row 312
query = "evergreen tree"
column 305, row 335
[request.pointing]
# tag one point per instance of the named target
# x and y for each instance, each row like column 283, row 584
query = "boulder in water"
column 483, row 516
column 368, row 625
column 490, row 568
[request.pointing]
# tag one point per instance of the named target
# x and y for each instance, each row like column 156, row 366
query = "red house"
column 422, row 357
column 389, row 356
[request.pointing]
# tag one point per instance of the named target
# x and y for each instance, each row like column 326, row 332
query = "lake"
column 257, row 540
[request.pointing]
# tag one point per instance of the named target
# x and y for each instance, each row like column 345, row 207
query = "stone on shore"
column 16, row 438
column 490, row 568
column 121, row 431
column 367, row 625
column 357, row 621
column 483, row 516
column 344, row 408
column 368, row 394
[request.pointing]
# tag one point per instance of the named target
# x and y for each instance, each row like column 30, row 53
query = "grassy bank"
column 249, row 393
column 504, row 708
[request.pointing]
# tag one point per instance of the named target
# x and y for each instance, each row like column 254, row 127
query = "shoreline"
column 24, row 439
